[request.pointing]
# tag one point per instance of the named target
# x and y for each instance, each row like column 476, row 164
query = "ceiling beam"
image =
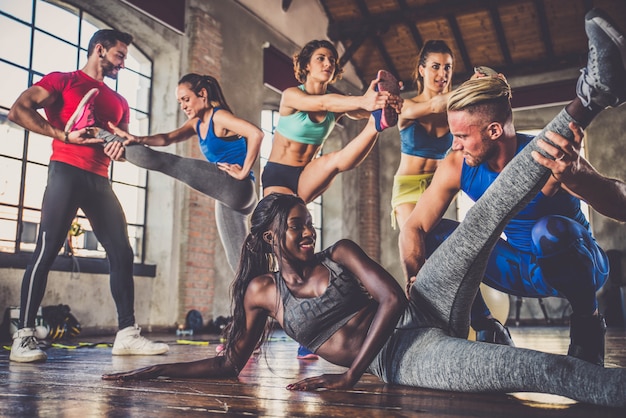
column 544, row 28
column 376, row 37
column 500, row 35
column 347, row 28
column 458, row 38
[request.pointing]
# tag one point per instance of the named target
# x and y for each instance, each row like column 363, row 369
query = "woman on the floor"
column 230, row 144
column 420, row 342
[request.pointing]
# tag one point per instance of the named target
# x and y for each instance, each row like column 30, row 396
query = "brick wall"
column 369, row 204
column 197, row 286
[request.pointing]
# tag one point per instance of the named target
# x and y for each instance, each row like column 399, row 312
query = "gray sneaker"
column 25, row 348
column 603, row 81
column 129, row 342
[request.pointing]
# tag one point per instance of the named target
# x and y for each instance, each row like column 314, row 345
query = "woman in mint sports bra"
column 230, row 144
column 424, row 134
column 307, row 116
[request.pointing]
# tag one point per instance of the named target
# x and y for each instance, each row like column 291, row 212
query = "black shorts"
column 281, row 175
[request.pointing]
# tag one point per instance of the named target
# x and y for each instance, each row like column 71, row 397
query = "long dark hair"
column 302, row 59
column 258, row 257
column 434, row 46
column 198, row 82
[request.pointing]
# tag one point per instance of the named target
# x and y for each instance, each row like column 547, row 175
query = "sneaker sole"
column 69, row 126
column 37, row 359
column 389, row 117
column 124, row 352
column 604, row 23
column 308, row 357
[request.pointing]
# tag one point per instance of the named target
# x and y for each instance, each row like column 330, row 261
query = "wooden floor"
column 69, row 385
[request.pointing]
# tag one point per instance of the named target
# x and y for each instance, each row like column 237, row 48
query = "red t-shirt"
column 108, row 105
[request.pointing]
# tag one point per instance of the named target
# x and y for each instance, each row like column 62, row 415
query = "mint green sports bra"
column 299, row 127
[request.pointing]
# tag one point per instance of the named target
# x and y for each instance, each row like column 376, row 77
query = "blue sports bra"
column 414, row 140
column 299, row 127
column 231, row 149
column 312, row 321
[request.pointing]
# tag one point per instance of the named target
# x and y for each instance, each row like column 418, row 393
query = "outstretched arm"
column 227, row 365
column 294, row 99
column 391, row 303
column 605, row 195
column 205, row 368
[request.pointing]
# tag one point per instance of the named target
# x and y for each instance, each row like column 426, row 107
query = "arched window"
column 39, row 37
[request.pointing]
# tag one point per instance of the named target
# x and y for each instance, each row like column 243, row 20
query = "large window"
column 269, row 119
column 39, row 37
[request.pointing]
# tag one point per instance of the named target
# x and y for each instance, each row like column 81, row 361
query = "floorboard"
column 69, row 385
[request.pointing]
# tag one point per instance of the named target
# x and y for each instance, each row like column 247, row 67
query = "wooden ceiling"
column 515, row 37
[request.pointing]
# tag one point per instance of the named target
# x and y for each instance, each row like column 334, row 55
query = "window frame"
column 88, row 261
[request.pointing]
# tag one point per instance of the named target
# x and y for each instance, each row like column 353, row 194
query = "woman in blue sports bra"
column 424, row 134
column 230, row 144
column 307, row 116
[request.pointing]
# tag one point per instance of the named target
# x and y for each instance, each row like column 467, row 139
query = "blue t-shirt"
column 476, row 180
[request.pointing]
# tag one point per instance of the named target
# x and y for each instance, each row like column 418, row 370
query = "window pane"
column 135, row 236
column 9, row 188
column 12, row 83
column 139, row 123
column 135, row 89
column 50, row 54
column 48, row 16
column 8, row 228
column 138, row 62
column 30, row 221
column 132, row 200
column 22, row 9
column 129, row 173
column 39, row 148
column 87, row 30
column 14, row 41
column 11, row 138
column 36, row 179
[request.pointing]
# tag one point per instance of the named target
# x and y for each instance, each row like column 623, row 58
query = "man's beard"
column 109, row 69
column 486, row 152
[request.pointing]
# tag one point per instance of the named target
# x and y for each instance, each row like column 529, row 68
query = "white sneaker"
column 25, row 348
column 129, row 342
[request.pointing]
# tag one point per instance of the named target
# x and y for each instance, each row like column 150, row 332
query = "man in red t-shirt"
column 78, row 178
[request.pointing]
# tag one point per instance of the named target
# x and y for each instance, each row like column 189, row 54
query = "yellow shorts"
column 407, row 189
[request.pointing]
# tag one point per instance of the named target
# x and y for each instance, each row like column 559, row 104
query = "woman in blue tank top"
column 307, row 116
column 230, row 144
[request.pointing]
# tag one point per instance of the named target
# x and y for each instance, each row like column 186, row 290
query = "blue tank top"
column 312, row 321
column 231, row 149
column 299, row 127
column 414, row 140
column 476, row 180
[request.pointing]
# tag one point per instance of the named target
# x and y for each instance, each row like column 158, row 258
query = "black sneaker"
column 494, row 332
column 587, row 338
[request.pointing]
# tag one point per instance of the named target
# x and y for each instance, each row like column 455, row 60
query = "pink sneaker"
column 83, row 116
column 387, row 117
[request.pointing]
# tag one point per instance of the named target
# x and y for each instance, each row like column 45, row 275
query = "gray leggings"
column 429, row 347
column 235, row 199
